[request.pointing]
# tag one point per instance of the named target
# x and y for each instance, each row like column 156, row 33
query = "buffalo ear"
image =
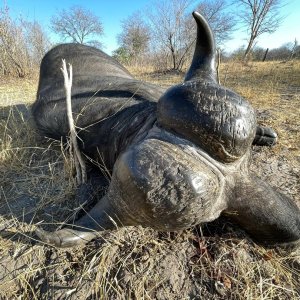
column 203, row 63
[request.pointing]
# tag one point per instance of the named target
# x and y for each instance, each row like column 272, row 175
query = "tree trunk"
column 249, row 47
column 173, row 58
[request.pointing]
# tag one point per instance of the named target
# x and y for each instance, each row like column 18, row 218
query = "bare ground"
column 212, row 261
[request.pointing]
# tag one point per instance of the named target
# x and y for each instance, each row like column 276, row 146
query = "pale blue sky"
column 112, row 12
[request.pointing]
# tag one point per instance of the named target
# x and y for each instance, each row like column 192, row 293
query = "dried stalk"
column 79, row 162
column 218, row 65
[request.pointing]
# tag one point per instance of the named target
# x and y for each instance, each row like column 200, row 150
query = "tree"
column 169, row 30
column 294, row 49
column 22, row 45
column 77, row 24
column 259, row 17
column 122, row 55
column 174, row 31
column 135, row 36
column 38, row 42
column 14, row 55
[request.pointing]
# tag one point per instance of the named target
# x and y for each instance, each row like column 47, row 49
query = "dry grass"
column 215, row 261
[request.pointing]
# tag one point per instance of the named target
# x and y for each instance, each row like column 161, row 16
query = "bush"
column 22, row 45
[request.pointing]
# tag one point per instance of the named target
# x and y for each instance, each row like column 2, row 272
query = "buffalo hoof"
column 65, row 238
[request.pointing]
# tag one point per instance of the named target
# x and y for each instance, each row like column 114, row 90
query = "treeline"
column 285, row 52
column 162, row 61
column 163, row 35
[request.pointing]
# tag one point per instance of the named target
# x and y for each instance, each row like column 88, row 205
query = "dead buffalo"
column 178, row 157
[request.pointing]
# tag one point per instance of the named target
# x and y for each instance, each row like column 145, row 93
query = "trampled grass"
column 214, row 261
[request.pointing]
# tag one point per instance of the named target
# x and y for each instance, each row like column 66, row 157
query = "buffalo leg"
column 270, row 217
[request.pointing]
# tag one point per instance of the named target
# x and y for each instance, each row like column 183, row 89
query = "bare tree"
column 14, row 57
column 38, row 42
column 170, row 34
column 77, row 24
column 135, row 36
column 22, row 45
column 174, row 31
column 259, row 17
column 294, row 49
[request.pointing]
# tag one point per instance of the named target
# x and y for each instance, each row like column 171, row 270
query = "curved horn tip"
column 200, row 18
column 197, row 15
column 203, row 63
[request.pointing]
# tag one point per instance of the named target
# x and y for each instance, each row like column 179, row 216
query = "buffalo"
column 178, row 157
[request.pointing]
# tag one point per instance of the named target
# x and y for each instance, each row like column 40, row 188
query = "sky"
column 112, row 12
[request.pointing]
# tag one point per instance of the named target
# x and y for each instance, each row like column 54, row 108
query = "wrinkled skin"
column 178, row 157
